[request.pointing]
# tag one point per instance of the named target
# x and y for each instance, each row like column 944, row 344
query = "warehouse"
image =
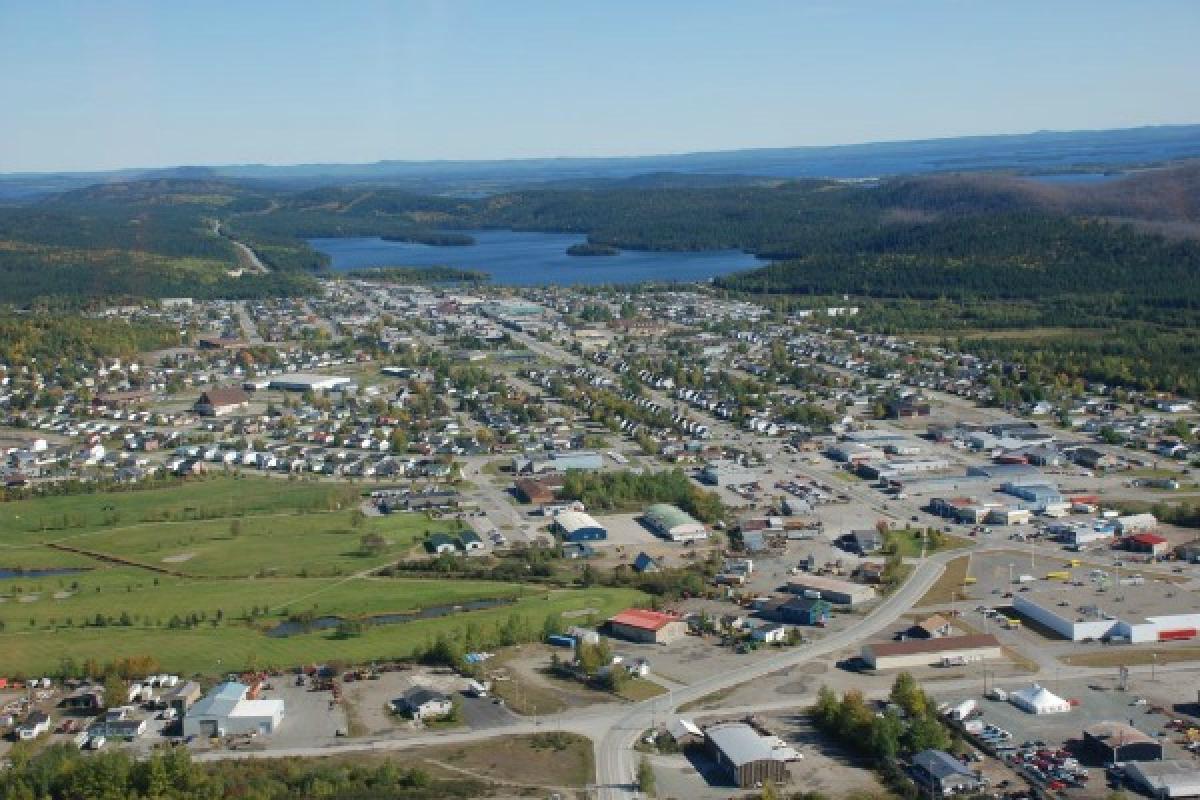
column 842, row 593
column 305, row 382
column 931, row 652
column 640, row 625
column 1136, row 523
column 229, row 709
column 221, row 401
column 745, row 756
column 577, row 526
column 1116, row 741
column 559, row 461
column 673, row 523
column 1145, row 612
column 1164, row 779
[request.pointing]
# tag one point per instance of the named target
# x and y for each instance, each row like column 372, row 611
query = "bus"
column 1061, row 575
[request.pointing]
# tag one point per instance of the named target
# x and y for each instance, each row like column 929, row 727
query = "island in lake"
column 433, row 238
column 592, row 249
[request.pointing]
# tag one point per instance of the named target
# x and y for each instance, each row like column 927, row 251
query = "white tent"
column 1039, row 700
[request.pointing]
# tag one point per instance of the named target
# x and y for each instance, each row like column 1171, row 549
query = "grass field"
column 908, row 542
column 209, row 649
column 949, row 587
column 250, row 553
column 527, row 764
column 1122, row 656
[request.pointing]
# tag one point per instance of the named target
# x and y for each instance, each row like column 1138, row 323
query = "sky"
column 107, row 83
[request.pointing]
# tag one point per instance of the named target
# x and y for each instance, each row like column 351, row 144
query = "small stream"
column 293, row 627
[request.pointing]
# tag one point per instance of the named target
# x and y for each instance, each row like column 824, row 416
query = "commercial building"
column 1136, row 523
column 1145, row 612
column 221, row 401
column 539, row 491
column 1109, row 742
column 558, row 461
column 1149, row 543
column 842, row 593
column 640, row 625
column 941, row 774
column 577, row 526
column 744, row 755
column 674, row 523
column 305, row 382
column 229, row 709
column 726, row 473
column 931, row 652
column 1164, row 780
column 1037, row 699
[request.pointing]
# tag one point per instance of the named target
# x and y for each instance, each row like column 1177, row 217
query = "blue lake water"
column 522, row 258
column 38, row 573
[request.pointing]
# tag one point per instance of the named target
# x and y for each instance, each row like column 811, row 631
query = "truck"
column 1025, row 579
column 1010, row 624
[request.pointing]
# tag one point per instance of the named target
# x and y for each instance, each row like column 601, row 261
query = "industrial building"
column 941, row 774
column 305, row 382
column 1164, row 780
column 838, row 592
column 1109, row 742
column 674, row 523
column 1142, row 612
column 557, row 461
column 744, row 755
column 578, row 526
column 726, row 473
column 640, row 625
column 931, row 652
column 231, row 709
column 221, row 401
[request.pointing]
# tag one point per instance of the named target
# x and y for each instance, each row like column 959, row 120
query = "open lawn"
column 949, row 587
column 209, row 649
column 908, row 541
column 544, row 761
column 1125, row 656
column 49, row 518
column 315, row 543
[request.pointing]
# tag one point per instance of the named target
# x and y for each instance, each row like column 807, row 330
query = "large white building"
column 227, row 710
column 1149, row 612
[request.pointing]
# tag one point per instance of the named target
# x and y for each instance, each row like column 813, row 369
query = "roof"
column 681, row 727
column 946, row 643
column 644, row 619
column 933, row 623
column 1148, row 539
column 740, row 743
column 1175, row 778
column 1118, row 734
column 221, row 701
column 668, row 516
column 571, row 521
column 940, row 764
column 1038, row 697
column 225, row 396
column 419, row 696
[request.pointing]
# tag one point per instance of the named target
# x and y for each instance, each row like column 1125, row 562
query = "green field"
column 250, row 552
column 209, row 650
column 908, row 542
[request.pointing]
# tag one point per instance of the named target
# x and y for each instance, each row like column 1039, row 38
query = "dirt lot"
column 521, row 676
column 365, row 702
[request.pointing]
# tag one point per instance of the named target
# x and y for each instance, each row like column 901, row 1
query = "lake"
column 522, row 258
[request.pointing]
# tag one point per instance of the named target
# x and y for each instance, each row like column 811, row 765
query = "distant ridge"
column 1039, row 152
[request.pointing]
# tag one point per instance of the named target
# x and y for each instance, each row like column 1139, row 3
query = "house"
column 908, row 407
column 576, row 550
column 769, row 632
column 420, row 703
column 862, row 542
column 640, row 625
column 644, row 563
column 221, row 401
column 439, row 543
column 941, row 774
column 33, row 726
column 470, row 541
column 803, row 610
column 1091, row 458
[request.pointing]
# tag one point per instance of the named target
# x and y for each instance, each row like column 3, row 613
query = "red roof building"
column 1150, row 543
column 640, row 625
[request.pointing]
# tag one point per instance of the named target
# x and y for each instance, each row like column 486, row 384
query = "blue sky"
column 90, row 85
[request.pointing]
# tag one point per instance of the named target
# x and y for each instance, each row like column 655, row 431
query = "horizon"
column 145, row 85
column 599, row 157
